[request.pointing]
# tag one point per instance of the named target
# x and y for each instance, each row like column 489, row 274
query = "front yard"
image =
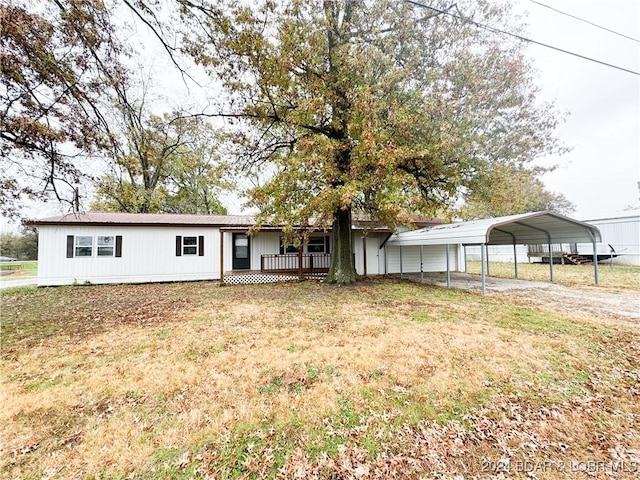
column 386, row 379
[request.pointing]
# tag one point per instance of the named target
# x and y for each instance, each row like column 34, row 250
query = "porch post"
column 482, row 269
column 386, row 260
column 364, row 254
column 448, row 268
column 221, row 256
column 421, row 269
column 300, row 277
column 401, row 272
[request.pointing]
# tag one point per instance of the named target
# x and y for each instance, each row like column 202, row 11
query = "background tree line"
column 22, row 246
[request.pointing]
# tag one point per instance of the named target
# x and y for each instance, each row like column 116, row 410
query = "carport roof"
column 527, row 228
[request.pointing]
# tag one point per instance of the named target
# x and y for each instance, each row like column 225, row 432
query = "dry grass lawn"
column 616, row 277
column 385, row 379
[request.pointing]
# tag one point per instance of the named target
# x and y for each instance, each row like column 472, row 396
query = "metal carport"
column 523, row 229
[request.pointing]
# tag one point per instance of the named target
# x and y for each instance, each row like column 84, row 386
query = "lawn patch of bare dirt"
column 385, row 379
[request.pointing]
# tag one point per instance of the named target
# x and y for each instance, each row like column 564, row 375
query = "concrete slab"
column 467, row 281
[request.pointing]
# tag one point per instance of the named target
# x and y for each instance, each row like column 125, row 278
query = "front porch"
column 283, row 267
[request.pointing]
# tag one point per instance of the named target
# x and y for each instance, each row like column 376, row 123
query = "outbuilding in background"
column 620, row 237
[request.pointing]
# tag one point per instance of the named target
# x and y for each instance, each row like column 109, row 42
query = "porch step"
column 577, row 259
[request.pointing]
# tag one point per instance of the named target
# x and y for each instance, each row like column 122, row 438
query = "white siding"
column 148, row 255
column 375, row 254
column 434, row 259
column 623, row 234
column 499, row 253
column 263, row 243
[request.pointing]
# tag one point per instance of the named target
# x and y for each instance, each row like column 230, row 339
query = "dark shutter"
column 118, row 245
column 327, row 244
column 201, row 246
column 69, row 246
column 178, row 246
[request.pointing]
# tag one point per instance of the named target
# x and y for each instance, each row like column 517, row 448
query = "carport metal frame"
column 576, row 233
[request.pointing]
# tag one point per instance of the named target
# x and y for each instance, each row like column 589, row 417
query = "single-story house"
column 140, row 248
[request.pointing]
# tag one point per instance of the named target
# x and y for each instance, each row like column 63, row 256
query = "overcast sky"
column 601, row 173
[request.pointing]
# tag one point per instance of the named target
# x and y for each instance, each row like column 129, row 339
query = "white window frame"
column 305, row 248
column 77, row 246
column 194, row 246
column 318, row 242
column 111, row 244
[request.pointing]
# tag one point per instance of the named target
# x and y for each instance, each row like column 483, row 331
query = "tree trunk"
column 342, row 270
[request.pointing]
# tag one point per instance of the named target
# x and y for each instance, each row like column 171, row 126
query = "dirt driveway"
column 589, row 300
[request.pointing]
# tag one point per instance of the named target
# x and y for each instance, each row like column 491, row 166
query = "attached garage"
column 441, row 245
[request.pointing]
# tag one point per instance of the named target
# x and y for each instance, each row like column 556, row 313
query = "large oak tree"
column 370, row 106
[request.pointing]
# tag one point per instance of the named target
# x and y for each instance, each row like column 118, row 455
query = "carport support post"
column 550, row 261
column 448, row 268
column 482, row 270
column 421, row 271
column 515, row 259
column 487, row 249
column 401, row 272
column 464, row 247
column 595, row 261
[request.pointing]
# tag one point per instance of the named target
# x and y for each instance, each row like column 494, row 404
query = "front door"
column 241, row 253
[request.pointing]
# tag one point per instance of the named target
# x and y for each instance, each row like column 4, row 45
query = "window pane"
column 105, row 241
column 84, row 241
column 83, row 251
column 242, row 252
column 242, row 241
column 190, row 240
column 289, row 247
column 190, row 251
column 315, row 245
column 105, row 251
